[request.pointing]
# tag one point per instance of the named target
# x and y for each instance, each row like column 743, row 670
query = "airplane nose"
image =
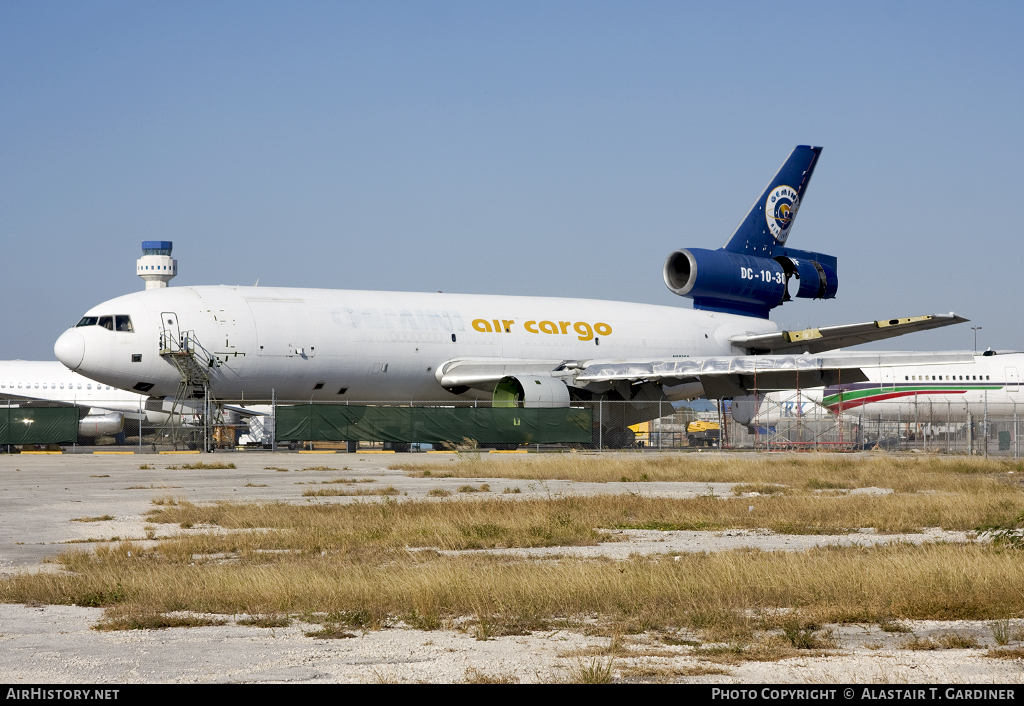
column 70, row 349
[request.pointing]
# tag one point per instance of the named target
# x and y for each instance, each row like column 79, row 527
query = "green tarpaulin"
column 38, row 425
column 486, row 425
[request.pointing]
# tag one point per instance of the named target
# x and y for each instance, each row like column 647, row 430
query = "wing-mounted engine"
column 753, row 272
column 530, row 391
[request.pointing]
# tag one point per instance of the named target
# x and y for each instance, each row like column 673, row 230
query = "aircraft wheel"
column 620, row 438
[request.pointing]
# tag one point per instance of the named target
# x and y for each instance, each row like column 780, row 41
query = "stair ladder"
column 192, row 362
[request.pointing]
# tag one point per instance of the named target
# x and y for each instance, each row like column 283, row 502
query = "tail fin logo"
column 780, row 210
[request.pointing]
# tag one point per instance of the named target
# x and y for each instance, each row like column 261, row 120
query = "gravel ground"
column 40, row 496
column 56, row 644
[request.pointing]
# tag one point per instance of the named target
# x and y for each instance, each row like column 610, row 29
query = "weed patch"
column 330, row 632
column 593, row 671
column 266, row 621
column 475, row 676
column 128, row 620
column 338, row 492
column 1003, row 653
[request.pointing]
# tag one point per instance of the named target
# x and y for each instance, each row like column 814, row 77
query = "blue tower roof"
column 157, row 247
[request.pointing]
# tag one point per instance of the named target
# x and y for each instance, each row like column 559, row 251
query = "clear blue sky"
column 549, row 148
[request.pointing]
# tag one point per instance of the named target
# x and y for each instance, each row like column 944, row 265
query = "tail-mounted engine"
column 719, row 280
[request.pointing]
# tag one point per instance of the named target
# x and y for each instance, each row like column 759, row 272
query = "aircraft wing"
column 720, row 376
column 28, row 401
column 826, row 338
column 736, row 376
column 246, row 412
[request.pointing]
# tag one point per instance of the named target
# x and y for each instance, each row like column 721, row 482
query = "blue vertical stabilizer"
column 768, row 223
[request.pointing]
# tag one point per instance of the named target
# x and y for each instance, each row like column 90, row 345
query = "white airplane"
column 27, row 383
column 987, row 383
column 338, row 345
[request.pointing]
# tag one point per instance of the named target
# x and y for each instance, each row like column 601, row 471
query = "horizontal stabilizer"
column 827, row 338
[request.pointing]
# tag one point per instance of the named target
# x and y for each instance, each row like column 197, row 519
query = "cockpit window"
column 121, row 322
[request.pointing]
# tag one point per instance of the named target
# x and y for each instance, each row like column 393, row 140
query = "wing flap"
column 826, row 338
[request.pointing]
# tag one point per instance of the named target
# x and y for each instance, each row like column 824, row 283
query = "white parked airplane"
column 987, row 383
column 104, row 407
column 340, row 345
column 29, row 382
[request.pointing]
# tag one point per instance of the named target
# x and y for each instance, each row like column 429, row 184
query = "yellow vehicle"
column 700, row 433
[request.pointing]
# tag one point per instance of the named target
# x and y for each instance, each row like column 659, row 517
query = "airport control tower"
column 156, row 265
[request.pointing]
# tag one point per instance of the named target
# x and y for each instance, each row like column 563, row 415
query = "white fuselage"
column 51, row 381
column 991, row 383
column 338, row 345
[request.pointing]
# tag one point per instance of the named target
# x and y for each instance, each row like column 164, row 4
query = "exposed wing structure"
column 736, row 376
column 827, row 338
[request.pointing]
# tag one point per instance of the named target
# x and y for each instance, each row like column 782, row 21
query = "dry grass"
column 1001, row 631
column 1011, row 653
column 475, row 676
column 147, row 620
column 574, row 520
column 338, row 492
column 101, row 518
column 716, row 593
column 369, row 564
column 760, row 489
column 368, row 527
column 484, row 488
column 593, row 671
column 330, row 632
column 266, row 621
column 810, row 471
column 667, row 673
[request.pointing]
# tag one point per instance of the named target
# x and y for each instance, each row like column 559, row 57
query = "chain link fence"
column 784, row 422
